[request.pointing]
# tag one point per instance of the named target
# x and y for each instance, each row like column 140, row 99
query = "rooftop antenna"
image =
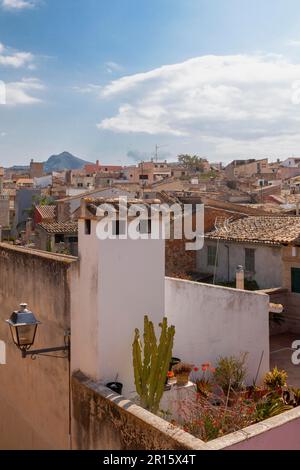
column 157, row 147
column 221, row 223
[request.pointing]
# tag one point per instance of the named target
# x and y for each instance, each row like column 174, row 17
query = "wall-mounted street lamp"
column 23, row 326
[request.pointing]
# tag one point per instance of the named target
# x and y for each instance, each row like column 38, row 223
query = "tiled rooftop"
column 261, row 230
column 47, row 211
column 92, row 204
column 59, row 227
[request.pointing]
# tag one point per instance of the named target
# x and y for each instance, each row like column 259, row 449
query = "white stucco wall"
column 214, row 321
column 119, row 281
column 268, row 263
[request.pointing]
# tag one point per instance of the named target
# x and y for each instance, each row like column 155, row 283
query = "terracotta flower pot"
column 182, row 379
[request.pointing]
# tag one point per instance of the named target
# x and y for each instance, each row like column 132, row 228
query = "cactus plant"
column 151, row 362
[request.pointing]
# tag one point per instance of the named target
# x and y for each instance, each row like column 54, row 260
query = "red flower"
column 196, row 369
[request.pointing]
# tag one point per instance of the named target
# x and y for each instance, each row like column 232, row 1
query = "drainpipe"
column 240, row 278
column 228, row 265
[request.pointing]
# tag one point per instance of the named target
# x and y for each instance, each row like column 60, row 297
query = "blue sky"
column 109, row 79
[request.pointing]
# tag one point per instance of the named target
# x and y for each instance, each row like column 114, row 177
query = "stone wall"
column 178, row 259
column 34, row 394
column 107, row 421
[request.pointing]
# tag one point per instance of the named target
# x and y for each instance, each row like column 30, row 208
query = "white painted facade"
column 268, row 263
column 213, row 321
column 291, row 162
column 119, row 281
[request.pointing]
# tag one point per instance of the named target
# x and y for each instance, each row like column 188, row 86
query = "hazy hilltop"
column 63, row 161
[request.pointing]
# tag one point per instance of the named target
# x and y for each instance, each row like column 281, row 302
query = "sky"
column 111, row 79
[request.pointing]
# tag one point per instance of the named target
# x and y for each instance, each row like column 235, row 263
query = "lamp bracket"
column 36, row 352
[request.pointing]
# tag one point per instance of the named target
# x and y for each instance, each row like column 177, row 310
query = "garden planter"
column 115, row 387
column 174, row 361
column 182, row 379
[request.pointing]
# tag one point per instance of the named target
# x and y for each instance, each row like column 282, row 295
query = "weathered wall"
column 119, row 282
column 104, row 420
column 268, row 263
column 214, row 321
column 4, row 211
column 178, row 259
column 34, row 395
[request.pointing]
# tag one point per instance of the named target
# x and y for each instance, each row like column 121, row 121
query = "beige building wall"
column 34, row 394
column 4, row 210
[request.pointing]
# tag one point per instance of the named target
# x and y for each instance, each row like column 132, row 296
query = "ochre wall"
column 34, row 394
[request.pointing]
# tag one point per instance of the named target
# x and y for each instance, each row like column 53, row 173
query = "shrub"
column 271, row 405
column 231, row 372
column 202, row 418
column 275, row 379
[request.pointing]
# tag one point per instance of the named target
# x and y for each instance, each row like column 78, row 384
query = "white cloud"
column 229, row 101
column 15, row 59
column 23, row 92
column 90, row 88
column 293, row 43
column 112, row 67
column 17, row 4
column 3, row 134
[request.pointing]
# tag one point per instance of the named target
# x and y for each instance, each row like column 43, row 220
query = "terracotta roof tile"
column 261, row 230
column 59, row 227
column 47, row 211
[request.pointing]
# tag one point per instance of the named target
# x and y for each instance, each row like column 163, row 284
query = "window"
column 119, row 227
column 211, row 255
column 295, row 280
column 143, row 177
column 250, row 260
column 59, row 238
column 87, row 228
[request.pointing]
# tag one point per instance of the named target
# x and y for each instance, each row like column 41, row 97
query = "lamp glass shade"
column 25, row 335
column 23, row 325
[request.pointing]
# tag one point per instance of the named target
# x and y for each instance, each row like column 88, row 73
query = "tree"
column 39, row 200
column 193, row 163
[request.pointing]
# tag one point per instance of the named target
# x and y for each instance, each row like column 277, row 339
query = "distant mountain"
column 17, row 168
column 63, row 161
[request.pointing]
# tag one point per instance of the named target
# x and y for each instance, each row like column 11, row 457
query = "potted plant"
column 173, row 362
column 182, row 371
column 115, row 386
